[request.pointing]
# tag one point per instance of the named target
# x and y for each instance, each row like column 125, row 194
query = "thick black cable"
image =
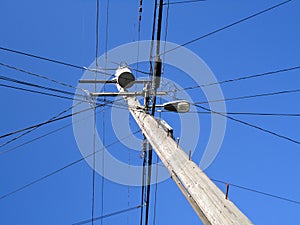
column 258, row 192
column 144, row 155
column 227, row 26
column 163, row 68
column 139, row 71
column 94, row 165
column 147, row 190
column 250, row 96
column 166, row 30
column 152, row 38
column 108, row 215
column 148, row 186
column 250, row 125
column 244, row 78
column 155, row 191
column 62, row 168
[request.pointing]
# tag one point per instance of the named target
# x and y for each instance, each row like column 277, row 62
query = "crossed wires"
column 287, row 1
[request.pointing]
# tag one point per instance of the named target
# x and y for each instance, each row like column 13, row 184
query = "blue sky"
column 65, row 31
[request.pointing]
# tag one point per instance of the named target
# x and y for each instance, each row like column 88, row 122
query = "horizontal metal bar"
column 97, row 81
column 127, row 94
column 110, row 81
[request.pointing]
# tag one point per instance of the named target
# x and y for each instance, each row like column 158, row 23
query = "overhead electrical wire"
column 250, row 125
column 258, row 192
column 109, row 215
column 163, row 71
column 103, row 114
column 31, row 130
column 63, row 168
column 243, row 78
column 250, row 96
column 227, row 26
column 34, row 139
column 94, row 114
column 145, row 188
column 47, row 122
column 104, row 216
column 183, row 2
column 251, row 189
column 51, row 60
column 43, row 135
column 42, row 58
column 144, row 156
column 54, row 95
column 155, row 191
column 38, row 86
column 138, row 36
column 37, row 92
column 38, row 75
column 248, row 113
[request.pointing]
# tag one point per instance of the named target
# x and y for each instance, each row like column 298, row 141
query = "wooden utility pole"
column 209, row 202
column 205, row 197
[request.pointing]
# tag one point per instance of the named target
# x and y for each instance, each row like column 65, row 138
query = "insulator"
column 157, row 73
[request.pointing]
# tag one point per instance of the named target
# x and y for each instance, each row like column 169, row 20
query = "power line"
column 48, row 94
column 38, row 86
column 94, row 134
column 258, row 192
column 250, row 189
column 47, row 122
column 139, row 36
column 156, row 174
column 155, row 191
column 35, row 139
column 144, row 155
column 103, row 115
column 183, row 2
column 250, row 125
column 37, row 92
column 249, row 113
column 31, row 130
column 43, row 58
column 244, row 78
column 39, row 137
column 45, row 88
column 62, row 168
column 37, row 75
column 51, row 60
column 108, row 215
column 250, row 96
column 227, row 26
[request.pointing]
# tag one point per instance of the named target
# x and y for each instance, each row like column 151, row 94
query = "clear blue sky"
column 65, row 30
